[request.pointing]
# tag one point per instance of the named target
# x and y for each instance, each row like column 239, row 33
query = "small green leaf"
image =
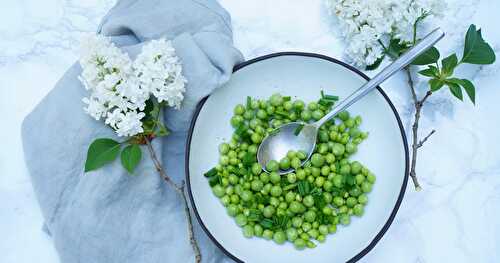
column 449, row 63
column 101, row 151
column 396, row 48
column 436, row 84
column 131, row 156
column 476, row 50
column 432, row 71
column 428, row 57
column 455, row 90
column 162, row 130
column 375, row 64
column 468, row 87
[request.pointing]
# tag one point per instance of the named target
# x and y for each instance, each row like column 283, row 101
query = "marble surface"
column 455, row 217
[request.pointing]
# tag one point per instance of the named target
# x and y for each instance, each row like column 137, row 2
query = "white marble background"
column 455, row 218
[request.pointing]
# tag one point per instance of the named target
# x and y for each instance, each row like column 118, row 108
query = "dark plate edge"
column 386, row 226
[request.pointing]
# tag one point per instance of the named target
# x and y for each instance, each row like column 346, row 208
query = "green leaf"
column 428, row 57
column 396, row 48
column 468, row 87
column 101, row 151
column 432, row 71
column 436, row 84
column 455, row 90
column 449, row 64
column 476, row 50
column 375, row 64
column 131, row 156
column 162, row 130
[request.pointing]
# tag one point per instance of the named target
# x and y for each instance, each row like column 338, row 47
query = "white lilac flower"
column 364, row 23
column 119, row 88
column 158, row 69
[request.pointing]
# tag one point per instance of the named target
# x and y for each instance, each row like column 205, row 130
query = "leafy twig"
column 179, row 189
column 415, row 143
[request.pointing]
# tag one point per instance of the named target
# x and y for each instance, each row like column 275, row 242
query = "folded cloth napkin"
column 108, row 216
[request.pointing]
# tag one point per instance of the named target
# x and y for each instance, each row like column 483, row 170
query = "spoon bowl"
column 293, row 136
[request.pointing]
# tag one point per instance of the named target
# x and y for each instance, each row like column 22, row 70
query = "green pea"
column 289, row 197
column 366, row 187
column 236, row 121
column 319, row 181
column 345, row 169
column 328, row 186
column 308, row 201
column 355, row 191
column 258, row 230
column 317, row 114
column 351, row 201
column 310, row 244
column 261, row 114
column 363, row 199
column 312, row 106
column 317, row 160
column 305, row 115
column 241, row 220
column 299, row 244
column 370, row 178
column 257, row 185
column 358, row 210
column 345, row 220
column 223, row 148
column 327, row 210
column 350, row 148
column 296, row 207
column 284, row 163
column 338, row 201
column 267, row 234
column 306, row 226
column 248, row 231
column 321, row 238
column 268, row 211
column 323, row 136
column 272, row 166
column 276, row 190
column 256, row 138
column 291, row 234
column 328, row 197
column 276, row 99
column 279, row 237
column 349, row 123
column 310, row 216
column 338, row 149
column 332, row 228
column 338, row 181
column 343, row 115
column 295, row 163
column 287, row 105
column 239, row 109
column 218, row 190
column 232, row 210
column 291, row 178
column 301, row 155
column 301, row 174
column 274, row 177
column 297, row 222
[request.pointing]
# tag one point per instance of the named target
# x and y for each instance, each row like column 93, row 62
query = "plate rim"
column 243, row 64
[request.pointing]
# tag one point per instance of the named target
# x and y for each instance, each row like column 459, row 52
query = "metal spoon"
column 275, row 146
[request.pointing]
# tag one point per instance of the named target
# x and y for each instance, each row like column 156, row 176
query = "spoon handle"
column 403, row 61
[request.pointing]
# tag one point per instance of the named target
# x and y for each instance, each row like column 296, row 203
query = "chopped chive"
column 331, row 97
column 213, row 180
column 287, row 98
column 281, row 113
column 325, row 102
column 249, row 159
column 249, row 102
column 273, row 132
column 322, row 94
column 298, row 129
column 210, row 172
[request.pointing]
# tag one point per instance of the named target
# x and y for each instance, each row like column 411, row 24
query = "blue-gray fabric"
column 108, row 216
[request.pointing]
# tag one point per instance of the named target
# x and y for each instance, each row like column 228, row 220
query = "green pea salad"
column 302, row 207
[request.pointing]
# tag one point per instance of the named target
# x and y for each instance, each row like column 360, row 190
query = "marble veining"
column 455, row 218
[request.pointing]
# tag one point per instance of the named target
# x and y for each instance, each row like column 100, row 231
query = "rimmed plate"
column 301, row 75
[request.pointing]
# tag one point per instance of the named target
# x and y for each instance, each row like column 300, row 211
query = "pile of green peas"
column 301, row 207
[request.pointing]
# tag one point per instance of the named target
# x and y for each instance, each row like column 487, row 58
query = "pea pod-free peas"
column 303, row 207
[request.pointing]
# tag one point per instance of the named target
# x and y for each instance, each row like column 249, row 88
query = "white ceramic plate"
column 300, row 75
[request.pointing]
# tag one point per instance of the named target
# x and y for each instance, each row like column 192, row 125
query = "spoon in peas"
column 296, row 136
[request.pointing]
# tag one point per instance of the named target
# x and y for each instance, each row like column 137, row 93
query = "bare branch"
column 421, row 142
column 179, row 189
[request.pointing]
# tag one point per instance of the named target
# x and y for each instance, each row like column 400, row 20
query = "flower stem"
column 179, row 189
column 416, row 144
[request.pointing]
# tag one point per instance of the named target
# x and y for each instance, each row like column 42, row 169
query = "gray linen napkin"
column 108, row 216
